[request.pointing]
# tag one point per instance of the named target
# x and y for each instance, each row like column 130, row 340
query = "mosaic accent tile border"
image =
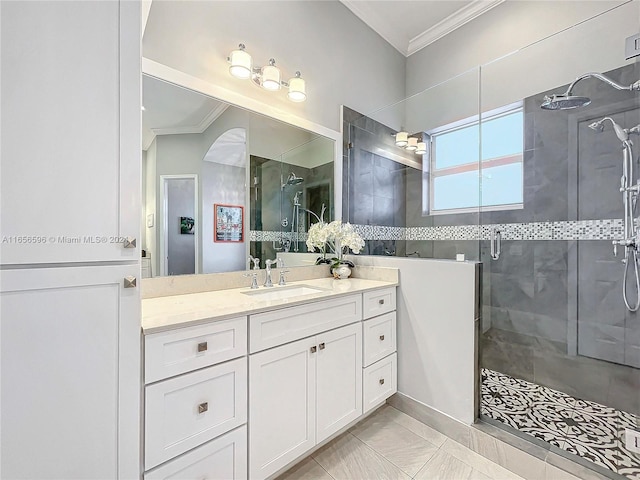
column 587, row 429
column 274, row 236
column 608, row 229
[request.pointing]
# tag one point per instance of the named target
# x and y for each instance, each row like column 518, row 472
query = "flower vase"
column 341, row 271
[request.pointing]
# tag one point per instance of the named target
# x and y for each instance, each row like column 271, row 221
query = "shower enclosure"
column 287, row 194
column 533, row 170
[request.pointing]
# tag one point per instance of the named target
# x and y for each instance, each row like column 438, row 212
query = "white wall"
column 436, row 321
column 342, row 60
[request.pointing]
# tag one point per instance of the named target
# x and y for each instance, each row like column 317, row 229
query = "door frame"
column 164, row 231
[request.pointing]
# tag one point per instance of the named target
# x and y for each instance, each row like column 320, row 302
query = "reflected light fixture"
column 421, row 148
column 412, row 144
column 267, row 77
column 401, row 139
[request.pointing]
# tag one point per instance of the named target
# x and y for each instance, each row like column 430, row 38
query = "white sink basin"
column 283, row 293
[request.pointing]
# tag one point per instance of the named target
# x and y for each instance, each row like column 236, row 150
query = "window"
column 453, row 182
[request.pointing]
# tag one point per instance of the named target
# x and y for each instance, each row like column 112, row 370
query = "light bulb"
column 240, row 63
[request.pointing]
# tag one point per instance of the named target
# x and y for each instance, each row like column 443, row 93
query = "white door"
column 70, row 360
column 339, row 379
column 71, row 155
column 281, row 406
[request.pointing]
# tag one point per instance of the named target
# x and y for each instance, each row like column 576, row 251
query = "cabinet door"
column 339, row 379
column 71, row 156
column 70, row 378
column 282, row 406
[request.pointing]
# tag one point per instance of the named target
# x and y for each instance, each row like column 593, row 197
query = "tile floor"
column 391, row 445
column 587, row 429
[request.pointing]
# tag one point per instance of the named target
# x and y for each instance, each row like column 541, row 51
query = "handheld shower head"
column 621, row 133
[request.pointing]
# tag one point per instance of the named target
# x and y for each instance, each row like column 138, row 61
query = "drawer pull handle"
column 381, row 338
column 314, row 349
column 202, row 347
column 381, row 301
column 382, row 381
column 321, row 346
column 203, row 407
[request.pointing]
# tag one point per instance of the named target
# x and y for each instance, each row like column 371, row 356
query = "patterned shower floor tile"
column 587, row 429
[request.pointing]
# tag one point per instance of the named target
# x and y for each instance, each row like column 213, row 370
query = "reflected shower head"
column 564, row 102
column 292, row 179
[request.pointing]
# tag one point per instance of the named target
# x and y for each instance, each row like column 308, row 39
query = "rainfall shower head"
column 292, row 179
column 568, row 100
column 564, row 102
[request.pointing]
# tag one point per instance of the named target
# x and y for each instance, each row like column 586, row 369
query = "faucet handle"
column 282, row 280
column 256, row 262
column 254, row 279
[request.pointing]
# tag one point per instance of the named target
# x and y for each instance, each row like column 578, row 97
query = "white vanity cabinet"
column 196, row 393
column 380, row 374
column 302, row 393
column 311, row 370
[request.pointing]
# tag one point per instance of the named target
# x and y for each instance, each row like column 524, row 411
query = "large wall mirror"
column 221, row 182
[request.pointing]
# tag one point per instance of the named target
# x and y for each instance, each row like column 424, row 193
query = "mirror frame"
column 168, row 74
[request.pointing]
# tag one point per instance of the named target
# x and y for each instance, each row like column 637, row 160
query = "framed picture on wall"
column 228, row 222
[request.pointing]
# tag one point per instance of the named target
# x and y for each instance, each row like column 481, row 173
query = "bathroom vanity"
column 240, row 383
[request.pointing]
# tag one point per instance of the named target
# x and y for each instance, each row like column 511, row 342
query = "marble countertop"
column 177, row 311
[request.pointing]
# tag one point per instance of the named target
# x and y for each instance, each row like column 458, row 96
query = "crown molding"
column 199, row 128
column 378, row 24
column 451, row 23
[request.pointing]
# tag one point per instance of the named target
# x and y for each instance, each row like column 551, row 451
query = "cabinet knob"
column 130, row 281
column 202, row 347
column 321, row 346
column 203, row 407
column 381, row 338
column 381, row 301
column 129, row 242
column 314, row 349
column 382, row 381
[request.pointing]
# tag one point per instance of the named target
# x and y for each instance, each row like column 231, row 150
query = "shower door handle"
column 496, row 244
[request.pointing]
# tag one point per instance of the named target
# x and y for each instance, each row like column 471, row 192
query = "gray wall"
column 224, row 184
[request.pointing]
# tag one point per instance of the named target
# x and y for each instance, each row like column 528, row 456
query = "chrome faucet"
column 267, row 278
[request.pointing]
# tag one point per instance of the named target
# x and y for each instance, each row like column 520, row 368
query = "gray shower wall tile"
column 527, row 323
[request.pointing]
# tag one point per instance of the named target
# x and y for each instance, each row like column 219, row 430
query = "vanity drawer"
column 379, row 382
column 224, row 458
column 379, row 335
column 377, row 302
column 269, row 329
column 186, row 411
column 171, row 353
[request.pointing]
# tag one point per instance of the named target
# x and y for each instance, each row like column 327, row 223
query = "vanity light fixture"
column 267, row 77
column 412, row 144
